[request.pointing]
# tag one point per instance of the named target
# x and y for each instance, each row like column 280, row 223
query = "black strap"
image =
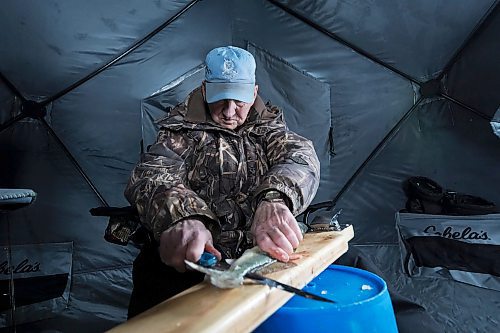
column 426, row 196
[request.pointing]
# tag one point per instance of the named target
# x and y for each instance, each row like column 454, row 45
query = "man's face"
column 230, row 113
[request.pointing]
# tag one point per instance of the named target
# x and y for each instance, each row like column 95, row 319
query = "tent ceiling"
column 56, row 43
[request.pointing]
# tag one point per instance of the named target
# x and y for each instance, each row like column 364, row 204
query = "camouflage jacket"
column 198, row 169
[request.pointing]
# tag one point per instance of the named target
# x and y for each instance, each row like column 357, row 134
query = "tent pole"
column 121, row 56
column 343, row 41
column 90, row 76
column 374, row 153
column 12, row 87
column 74, row 161
column 480, row 26
column 11, row 121
column 16, row 92
column 12, row 289
column 465, row 106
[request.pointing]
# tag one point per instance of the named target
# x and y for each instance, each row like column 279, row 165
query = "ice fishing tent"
column 386, row 90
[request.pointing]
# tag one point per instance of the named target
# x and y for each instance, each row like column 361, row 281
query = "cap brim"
column 216, row 91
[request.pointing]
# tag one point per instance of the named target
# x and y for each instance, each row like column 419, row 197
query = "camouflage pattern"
column 198, row 169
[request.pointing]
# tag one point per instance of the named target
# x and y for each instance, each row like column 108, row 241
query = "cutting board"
column 204, row 308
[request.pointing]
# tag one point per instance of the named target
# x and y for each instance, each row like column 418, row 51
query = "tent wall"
column 367, row 99
column 104, row 131
column 99, row 123
column 417, row 38
column 347, row 75
column 55, row 44
column 473, row 79
column 292, row 46
column 462, row 161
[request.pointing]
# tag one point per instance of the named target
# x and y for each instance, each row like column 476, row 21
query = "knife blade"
column 276, row 284
column 208, row 260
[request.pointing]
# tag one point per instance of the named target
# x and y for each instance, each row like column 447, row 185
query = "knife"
column 209, row 260
column 276, row 284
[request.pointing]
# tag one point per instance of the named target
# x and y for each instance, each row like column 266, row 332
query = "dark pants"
column 155, row 282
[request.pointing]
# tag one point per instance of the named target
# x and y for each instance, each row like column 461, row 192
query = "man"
column 224, row 174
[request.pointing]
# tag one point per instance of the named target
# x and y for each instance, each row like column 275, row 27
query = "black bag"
column 425, row 196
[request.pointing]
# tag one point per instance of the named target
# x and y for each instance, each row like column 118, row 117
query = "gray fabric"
column 60, row 215
column 440, row 141
column 474, row 79
column 305, row 95
column 106, row 151
column 409, row 35
column 69, row 39
column 155, row 107
column 7, row 103
column 327, row 91
column 361, row 92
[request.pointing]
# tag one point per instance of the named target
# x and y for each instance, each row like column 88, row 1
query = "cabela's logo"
column 24, row 266
column 451, row 233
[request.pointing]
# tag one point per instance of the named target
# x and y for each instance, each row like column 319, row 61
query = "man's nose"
column 229, row 108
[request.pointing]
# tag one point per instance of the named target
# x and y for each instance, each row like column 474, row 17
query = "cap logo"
column 228, row 70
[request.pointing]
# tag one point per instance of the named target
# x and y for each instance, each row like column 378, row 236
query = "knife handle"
column 207, row 259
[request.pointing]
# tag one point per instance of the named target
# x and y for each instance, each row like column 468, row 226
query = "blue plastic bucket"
column 363, row 305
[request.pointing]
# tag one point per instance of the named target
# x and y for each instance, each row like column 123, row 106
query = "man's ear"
column 204, row 91
column 256, row 90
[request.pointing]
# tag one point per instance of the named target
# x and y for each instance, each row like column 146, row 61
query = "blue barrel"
column 363, row 305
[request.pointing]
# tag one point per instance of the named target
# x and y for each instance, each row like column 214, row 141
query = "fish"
column 234, row 276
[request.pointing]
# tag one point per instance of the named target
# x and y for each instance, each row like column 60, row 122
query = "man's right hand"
column 186, row 240
column 275, row 230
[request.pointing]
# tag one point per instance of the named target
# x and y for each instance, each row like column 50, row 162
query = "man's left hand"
column 275, row 230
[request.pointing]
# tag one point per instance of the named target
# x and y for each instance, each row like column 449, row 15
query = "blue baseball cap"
column 229, row 74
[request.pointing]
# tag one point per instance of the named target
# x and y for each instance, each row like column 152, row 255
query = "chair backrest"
column 14, row 198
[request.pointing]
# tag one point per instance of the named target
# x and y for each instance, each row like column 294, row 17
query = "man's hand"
column 275, row 230
column 187, row 239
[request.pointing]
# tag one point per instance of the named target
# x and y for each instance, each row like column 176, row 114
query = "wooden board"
column 204, row 308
